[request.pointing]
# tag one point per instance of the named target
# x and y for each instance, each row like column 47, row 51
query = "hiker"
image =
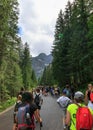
column 58, row 90
column 17, row 105
column 68, row 91
column 38, row 99
column 26, row 113
column 63, row 102
column 89, row 96
column 76, row 114
column 52, row 91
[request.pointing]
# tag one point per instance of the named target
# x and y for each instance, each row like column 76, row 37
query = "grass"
column 6, row 104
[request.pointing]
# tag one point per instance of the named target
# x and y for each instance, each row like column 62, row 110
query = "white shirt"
column 63, row 101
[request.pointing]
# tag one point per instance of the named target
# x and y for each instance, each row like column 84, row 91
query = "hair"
column 22, row 89
column 90, row 85
column 27, row 97
column 79, row 100
column 19, row 97
column 67, row 86
column 38, row 90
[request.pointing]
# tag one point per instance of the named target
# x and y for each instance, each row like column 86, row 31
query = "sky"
column 37, row 20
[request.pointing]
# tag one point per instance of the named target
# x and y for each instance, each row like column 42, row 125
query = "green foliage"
column 10, row 72
column 15, row 60
column 6, row 104
column 28, row 75
column 73, row 54
column 47, row 76
column 33, row 76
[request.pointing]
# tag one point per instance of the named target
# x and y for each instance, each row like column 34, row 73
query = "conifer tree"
column 59, row 30
column 26, row 67
column 9, row 44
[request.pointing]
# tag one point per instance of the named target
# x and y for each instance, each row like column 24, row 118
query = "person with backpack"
column 79, row 116
column 38, row 99
column 26, row 113
column 63, row 102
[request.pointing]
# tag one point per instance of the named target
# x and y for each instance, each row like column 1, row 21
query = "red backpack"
column 84, row 119
column 91, row 97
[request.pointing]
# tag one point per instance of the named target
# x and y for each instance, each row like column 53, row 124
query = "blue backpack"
column 24, row 118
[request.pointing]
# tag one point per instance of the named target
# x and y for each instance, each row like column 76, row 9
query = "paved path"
column 51, row 114
column 6, row 120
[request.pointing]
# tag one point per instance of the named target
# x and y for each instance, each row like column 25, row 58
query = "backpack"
column 91, row 97
column 83, row 119
column 24, row 118
column 37, row 99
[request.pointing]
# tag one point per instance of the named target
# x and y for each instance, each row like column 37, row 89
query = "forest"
column 15, row 58
column 72, row 49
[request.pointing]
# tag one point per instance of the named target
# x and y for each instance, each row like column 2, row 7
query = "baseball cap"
column 64, row 92
column 79, row 95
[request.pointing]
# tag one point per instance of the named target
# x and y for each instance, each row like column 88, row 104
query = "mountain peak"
column 42, row 54
column 40, row 62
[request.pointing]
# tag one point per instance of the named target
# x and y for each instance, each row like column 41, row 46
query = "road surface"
column 51, row 114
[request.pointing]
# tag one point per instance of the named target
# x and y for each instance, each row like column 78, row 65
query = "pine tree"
column 90, row 37
column 9, row 45
column 61, row 69
column 34, row 79
column 26, row 67
column 59, row 29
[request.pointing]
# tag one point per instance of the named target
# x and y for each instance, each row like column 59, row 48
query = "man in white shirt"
column 64, row 101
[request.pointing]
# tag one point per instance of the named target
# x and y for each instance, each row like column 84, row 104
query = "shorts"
column 64, row 113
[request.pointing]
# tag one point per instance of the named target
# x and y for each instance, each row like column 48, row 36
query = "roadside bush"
column 6, row 104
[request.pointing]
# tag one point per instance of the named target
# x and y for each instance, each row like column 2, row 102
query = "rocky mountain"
column 40, row 62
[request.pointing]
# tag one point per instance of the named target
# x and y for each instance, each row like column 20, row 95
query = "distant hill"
column 40, row 62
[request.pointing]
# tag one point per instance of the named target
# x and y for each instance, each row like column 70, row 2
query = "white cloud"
column 37, row 19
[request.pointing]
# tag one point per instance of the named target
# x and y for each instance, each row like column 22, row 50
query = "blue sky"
column 37, row 21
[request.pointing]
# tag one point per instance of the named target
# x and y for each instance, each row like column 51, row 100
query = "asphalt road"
column 6, row 120
column 51, row 114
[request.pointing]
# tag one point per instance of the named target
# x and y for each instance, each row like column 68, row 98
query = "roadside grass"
column 6, row 104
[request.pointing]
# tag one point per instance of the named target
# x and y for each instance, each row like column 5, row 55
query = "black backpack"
column 37, row 99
